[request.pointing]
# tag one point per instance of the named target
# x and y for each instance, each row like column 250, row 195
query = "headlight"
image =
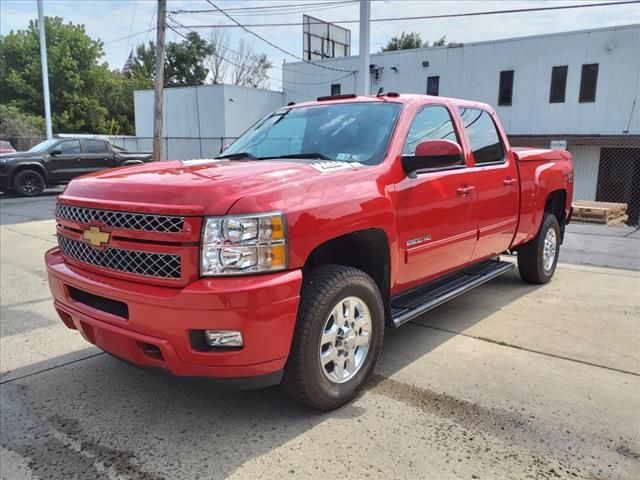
column 236, row 245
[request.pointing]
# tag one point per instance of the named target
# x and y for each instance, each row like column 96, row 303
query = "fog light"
column 224, row 338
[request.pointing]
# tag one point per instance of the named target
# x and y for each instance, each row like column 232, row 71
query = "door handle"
column 509, row 182
column 465, row 191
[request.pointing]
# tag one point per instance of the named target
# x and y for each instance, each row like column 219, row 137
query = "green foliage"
column 184, row 61
column 15, row 124
column 408, row 41
column 86, row 97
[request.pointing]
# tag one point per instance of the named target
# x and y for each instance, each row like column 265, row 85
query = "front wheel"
column 337, row 338
column 28, row 183
column 538, row 258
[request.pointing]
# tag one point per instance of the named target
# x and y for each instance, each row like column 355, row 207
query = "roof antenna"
column 380, row 92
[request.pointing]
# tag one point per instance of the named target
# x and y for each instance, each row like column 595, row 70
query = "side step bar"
column 407, row 306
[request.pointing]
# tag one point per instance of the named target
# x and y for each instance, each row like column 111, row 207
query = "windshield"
column 350, row 132
column 43, row 146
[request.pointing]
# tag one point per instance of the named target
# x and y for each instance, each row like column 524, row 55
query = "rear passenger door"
column 98, row 155
column 495, row 177
column 436, row 210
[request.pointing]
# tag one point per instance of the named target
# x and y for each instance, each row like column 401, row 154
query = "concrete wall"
column 473, row 71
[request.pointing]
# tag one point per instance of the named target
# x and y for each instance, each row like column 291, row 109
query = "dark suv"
column 59, row 160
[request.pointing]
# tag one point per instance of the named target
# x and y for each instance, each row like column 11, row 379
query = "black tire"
column 531, row 255
column 323, row 289
column 28, row 183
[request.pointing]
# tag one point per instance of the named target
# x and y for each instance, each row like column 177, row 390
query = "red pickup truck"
column 283, row 259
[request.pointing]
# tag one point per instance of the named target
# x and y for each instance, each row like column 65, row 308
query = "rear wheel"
column 538, row 258
column 337, row 338
column 28, row 183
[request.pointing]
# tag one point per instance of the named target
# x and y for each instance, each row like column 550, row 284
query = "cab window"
column 69, row 147
column 96, row 146
column 431, row 123
column 484, row 138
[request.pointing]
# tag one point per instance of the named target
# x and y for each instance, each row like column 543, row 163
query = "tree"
column 249, row 69
column 16, row 125
column 218, row 66
column 408, row 41
column 184, row 62
column 73, row 73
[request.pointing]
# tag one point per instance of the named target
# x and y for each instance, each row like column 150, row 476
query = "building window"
column 588, row 82
column 506, row 87
column 558, row 84
column 335, row 89
column 433, row 85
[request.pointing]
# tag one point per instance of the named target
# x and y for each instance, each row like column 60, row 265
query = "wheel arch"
column 367, row 250
column 555, row 204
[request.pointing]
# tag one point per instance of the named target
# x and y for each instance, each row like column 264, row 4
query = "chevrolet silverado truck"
column 283, row 260
column 58, row 160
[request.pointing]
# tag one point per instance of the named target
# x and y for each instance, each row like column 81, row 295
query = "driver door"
column 67, row 163
column 436, row 211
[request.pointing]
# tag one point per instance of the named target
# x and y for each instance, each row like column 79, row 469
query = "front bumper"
column 156, row 332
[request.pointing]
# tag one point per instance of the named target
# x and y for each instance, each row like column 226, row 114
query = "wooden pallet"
column 606, row 213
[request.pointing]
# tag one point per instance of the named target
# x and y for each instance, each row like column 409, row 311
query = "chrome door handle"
column 509, row 182
column 465, row 191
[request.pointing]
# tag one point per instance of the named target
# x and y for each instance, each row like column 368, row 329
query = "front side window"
column 483, row 136
column 69, row 147
column 348, row 132
column 96, row 146
column 431, row 123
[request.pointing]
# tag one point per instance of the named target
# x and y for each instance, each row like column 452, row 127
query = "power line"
column 217, row 45
column 268, row 7
column 129, row 36
column 238, row 66
column 273, row 44
column 428, row 17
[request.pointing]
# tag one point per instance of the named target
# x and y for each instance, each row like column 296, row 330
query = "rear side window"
column 430, row 123
column 96, row 146
column 483, row 136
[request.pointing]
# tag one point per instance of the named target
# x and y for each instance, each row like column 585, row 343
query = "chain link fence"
column 606, row 176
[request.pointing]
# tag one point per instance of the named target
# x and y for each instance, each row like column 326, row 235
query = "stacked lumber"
column 606, row 213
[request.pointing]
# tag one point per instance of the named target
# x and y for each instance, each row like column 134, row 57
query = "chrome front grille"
column 148, row 264
column 124, row 220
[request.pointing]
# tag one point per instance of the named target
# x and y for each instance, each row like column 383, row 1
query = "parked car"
column 6, row 147
column 59, row 160
column 283, row 260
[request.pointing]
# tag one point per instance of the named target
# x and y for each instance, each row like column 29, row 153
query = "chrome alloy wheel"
column 345, row 340
column 549, row 250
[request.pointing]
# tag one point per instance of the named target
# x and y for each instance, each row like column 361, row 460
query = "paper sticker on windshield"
column 347, row 157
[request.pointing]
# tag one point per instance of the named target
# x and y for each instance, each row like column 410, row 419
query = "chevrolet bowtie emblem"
column 96, row 237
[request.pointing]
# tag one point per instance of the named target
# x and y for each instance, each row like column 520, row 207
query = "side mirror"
column 55, row 151
column 433, row 154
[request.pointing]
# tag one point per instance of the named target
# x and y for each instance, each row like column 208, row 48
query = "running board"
column 407, row 306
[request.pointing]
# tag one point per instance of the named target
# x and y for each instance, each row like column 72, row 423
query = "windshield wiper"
column 318, row 156
column 239, row 156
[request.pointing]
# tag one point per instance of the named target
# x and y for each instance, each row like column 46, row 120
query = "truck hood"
column 7, row 157
column 208, row 187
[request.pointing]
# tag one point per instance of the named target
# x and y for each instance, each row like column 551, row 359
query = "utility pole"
column 364, row 84
column 45, row 70
column 159, row 80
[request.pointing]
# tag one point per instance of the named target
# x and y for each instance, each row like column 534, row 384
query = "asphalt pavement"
column 508, row 381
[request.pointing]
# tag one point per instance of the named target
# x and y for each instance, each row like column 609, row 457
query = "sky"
column 113, row 20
